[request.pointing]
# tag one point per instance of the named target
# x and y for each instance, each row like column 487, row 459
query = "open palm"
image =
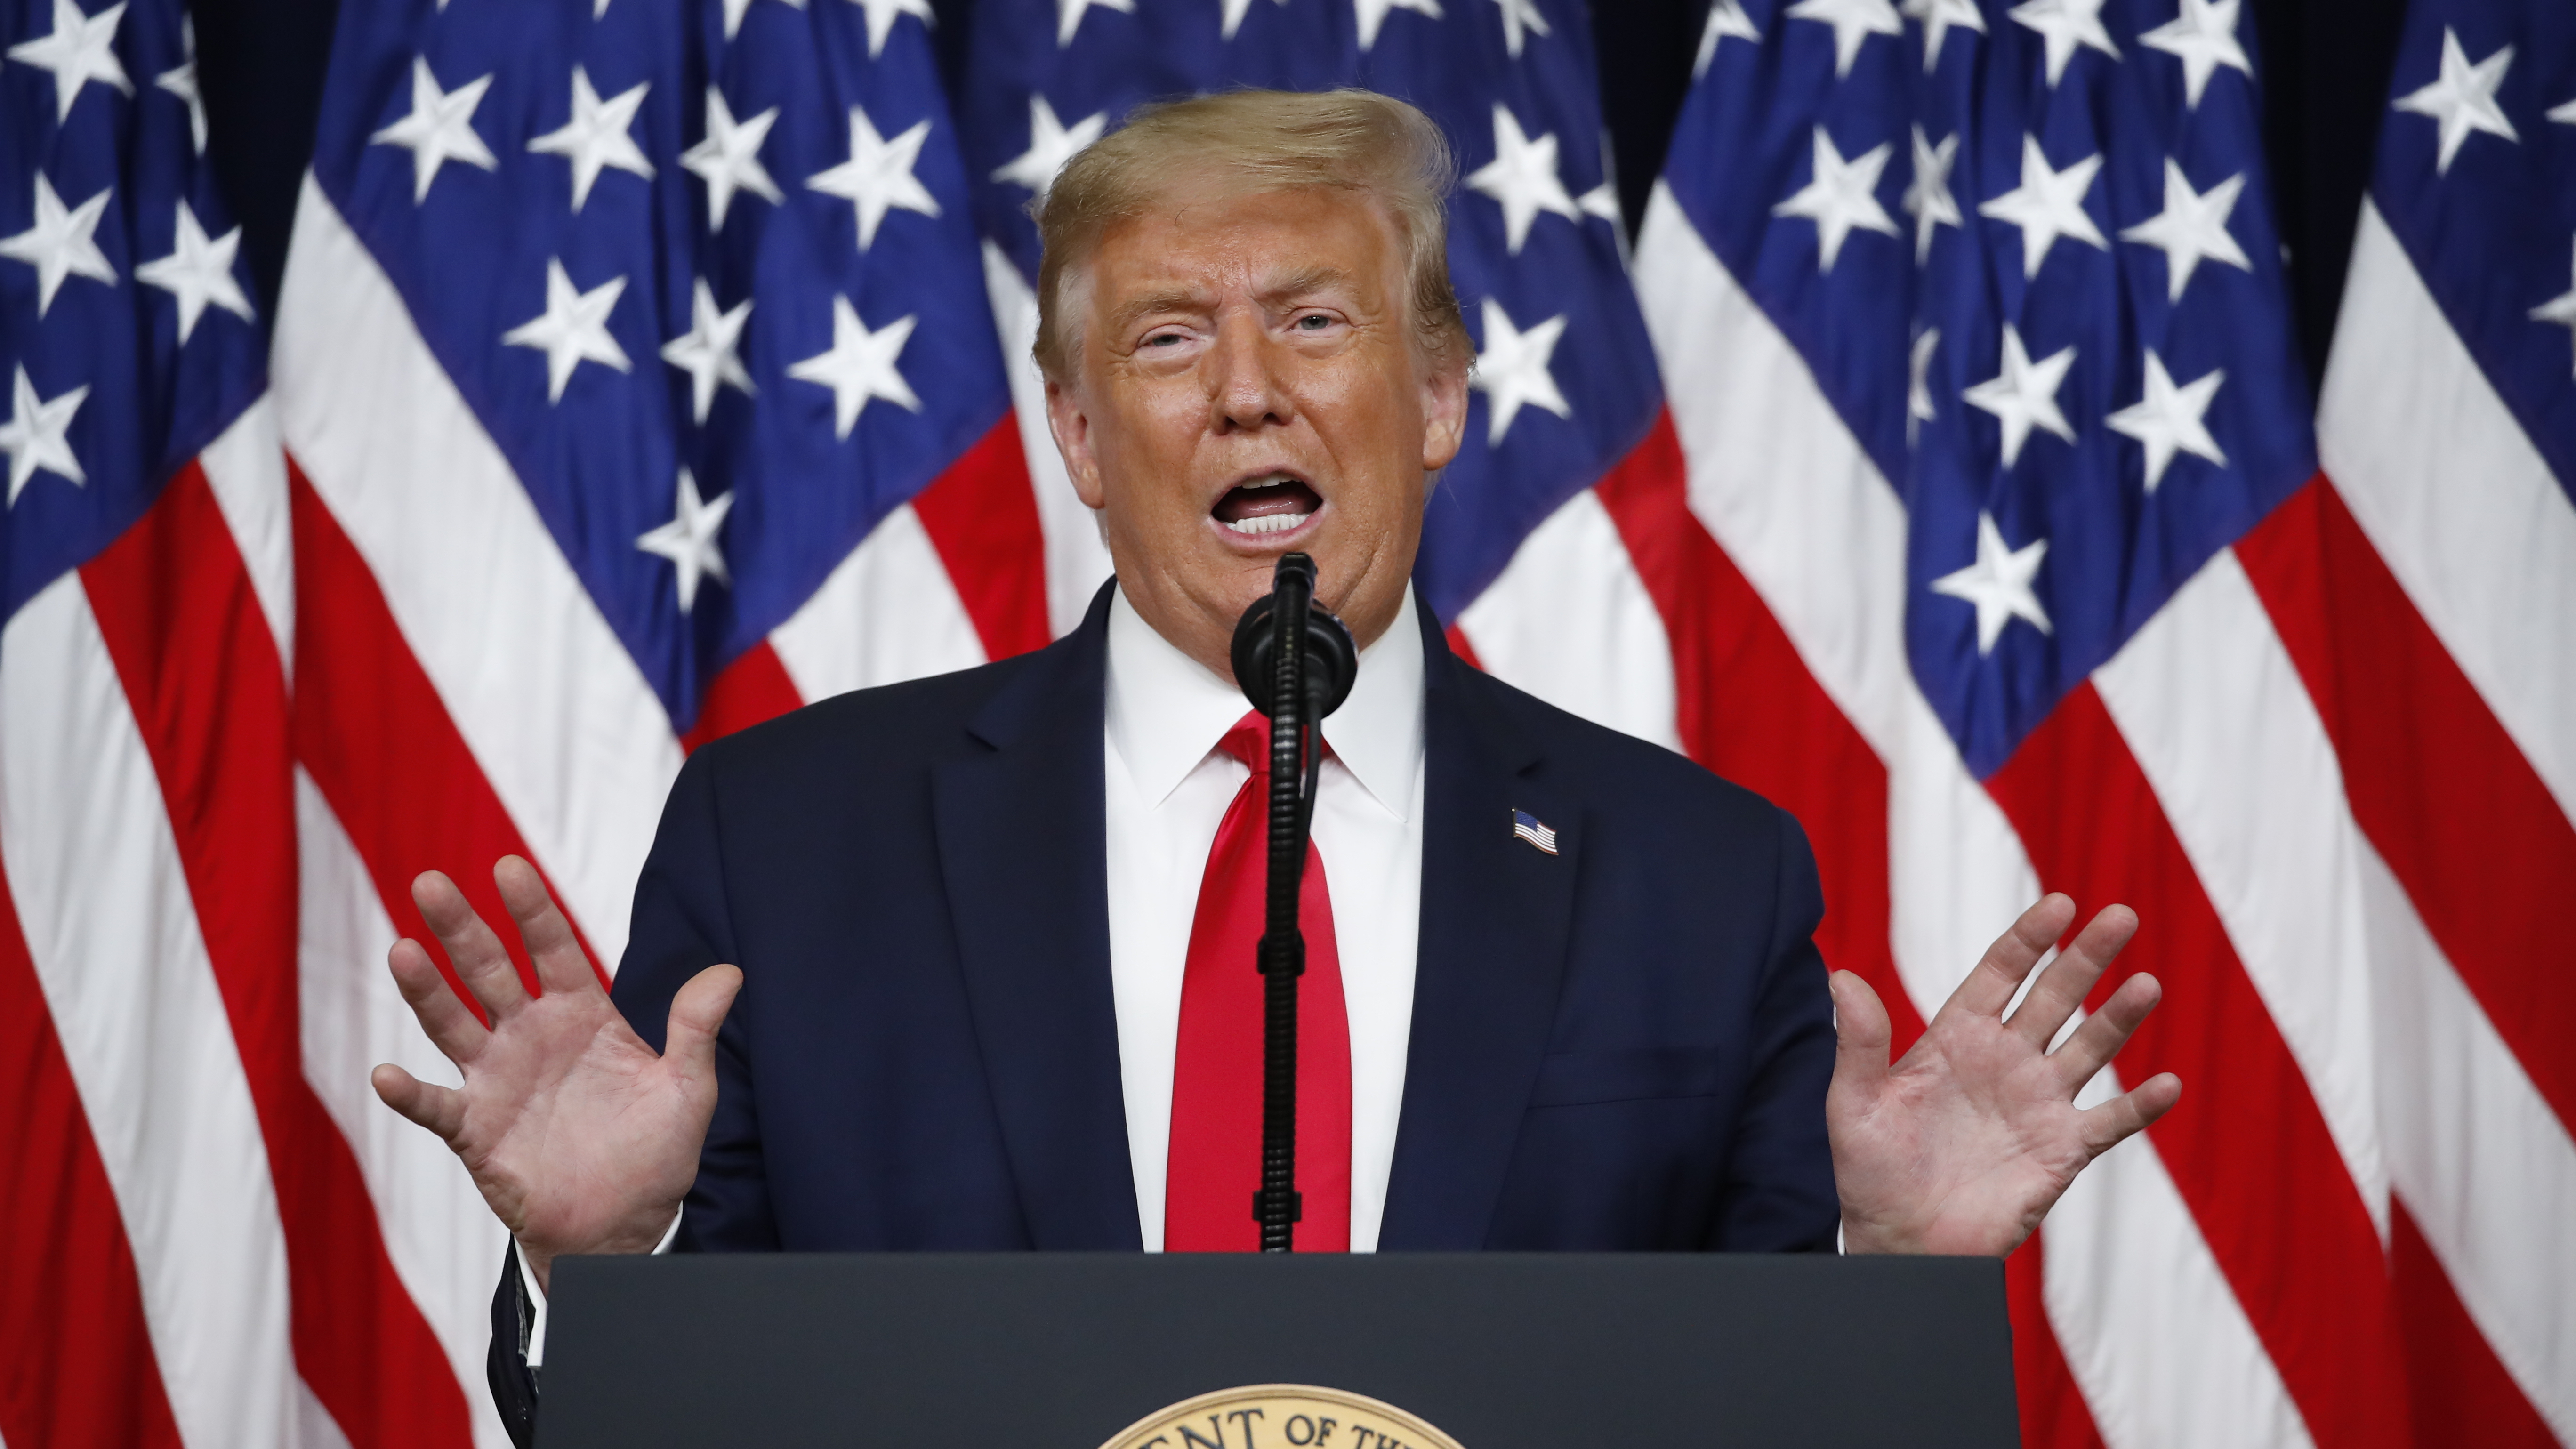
column 1964, row 1144
column 578, row 1135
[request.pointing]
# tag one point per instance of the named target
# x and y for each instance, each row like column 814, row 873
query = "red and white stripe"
column 2428, row 596
column 2333, row 775
column 208, row 1267
column 1076, row 561
column 123, row 974
column 458, row 697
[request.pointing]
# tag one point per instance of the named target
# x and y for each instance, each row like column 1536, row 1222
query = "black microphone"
column 1296, row 663
column 1332, row 661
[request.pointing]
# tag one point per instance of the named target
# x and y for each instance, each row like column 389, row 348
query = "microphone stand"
column 1276, row 1206
column 1296, row 663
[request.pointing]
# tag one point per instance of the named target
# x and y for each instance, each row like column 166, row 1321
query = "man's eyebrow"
column 1304, row 281
column 1174, row 299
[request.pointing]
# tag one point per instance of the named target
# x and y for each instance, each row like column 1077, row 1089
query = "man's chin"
column 1245, row 581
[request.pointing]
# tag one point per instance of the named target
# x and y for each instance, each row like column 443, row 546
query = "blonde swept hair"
column 1257, row 141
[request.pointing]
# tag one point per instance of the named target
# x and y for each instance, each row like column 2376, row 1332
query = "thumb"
column 696, row 1013
column 1861, row 1035
column 437, row 1108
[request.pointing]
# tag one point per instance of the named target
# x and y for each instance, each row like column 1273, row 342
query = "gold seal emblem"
column 1270, row 1416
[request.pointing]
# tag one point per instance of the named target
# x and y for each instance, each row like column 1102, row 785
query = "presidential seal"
column 1270, row 1416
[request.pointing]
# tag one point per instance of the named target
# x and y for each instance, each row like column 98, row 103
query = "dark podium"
column 1063, row 1351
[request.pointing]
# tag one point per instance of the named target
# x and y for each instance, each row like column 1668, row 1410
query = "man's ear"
column 1444, row 415
column 1072, row 429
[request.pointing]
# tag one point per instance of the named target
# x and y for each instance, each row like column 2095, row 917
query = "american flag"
column 1526, row 826
column 638, row 383
column 176, row 1203
column 648, row 367
column 1975, row 326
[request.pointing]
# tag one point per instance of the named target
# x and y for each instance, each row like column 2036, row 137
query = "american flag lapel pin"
column 1527, row 827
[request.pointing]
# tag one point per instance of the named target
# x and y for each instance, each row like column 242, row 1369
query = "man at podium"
column 966, row 963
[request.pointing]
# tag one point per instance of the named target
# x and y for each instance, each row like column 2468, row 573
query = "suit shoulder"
column 918, row 721
column 1619, row 771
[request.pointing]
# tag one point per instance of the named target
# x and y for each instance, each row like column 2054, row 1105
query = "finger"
column 1998, row 974
column 2129, row 1113
column 480, row 961
column 561, row 966
column 1861, row 1034
column 2103, row 1033
column 2069, row 979
column 452, row 1028
column 696, row 1013
column 437, row 1108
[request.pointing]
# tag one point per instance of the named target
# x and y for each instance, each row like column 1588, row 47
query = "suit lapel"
column 1496, row 913
column 1021, row 830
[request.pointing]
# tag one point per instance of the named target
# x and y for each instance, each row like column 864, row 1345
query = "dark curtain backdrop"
column 2324, row 63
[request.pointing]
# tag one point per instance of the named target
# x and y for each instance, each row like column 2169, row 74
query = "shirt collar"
column 1166, row 711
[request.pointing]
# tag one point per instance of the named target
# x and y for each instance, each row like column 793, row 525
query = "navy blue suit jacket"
column 1622, row 1046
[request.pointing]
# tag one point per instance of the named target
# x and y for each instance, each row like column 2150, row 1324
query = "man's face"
column 1247, row 383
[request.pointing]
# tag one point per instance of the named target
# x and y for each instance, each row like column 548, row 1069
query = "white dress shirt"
column 1167, row 789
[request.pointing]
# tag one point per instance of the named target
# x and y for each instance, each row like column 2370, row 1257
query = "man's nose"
column 1247, row 389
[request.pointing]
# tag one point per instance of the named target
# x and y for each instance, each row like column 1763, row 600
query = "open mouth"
column 1270, row 503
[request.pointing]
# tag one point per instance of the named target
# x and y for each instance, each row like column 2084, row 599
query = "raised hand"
column 580, row 1138
column 1963, row 1146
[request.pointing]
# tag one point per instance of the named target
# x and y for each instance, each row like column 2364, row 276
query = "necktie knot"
column 1249, row 741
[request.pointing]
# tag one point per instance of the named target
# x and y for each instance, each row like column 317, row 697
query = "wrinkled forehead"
column 1213, row 242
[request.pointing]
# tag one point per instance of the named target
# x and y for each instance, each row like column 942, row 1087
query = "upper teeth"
column 1268, row 522
column 1269, row 481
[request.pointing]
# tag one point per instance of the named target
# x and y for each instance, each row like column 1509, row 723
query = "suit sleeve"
column 683, row 923
column 681, row 926
column 1779, row 1194
column 505, row 1367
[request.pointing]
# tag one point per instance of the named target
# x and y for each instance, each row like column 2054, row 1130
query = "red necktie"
column 1215, row 1164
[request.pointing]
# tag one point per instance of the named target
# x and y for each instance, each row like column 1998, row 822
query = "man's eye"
column 1314, row 322
column 1164, row 339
